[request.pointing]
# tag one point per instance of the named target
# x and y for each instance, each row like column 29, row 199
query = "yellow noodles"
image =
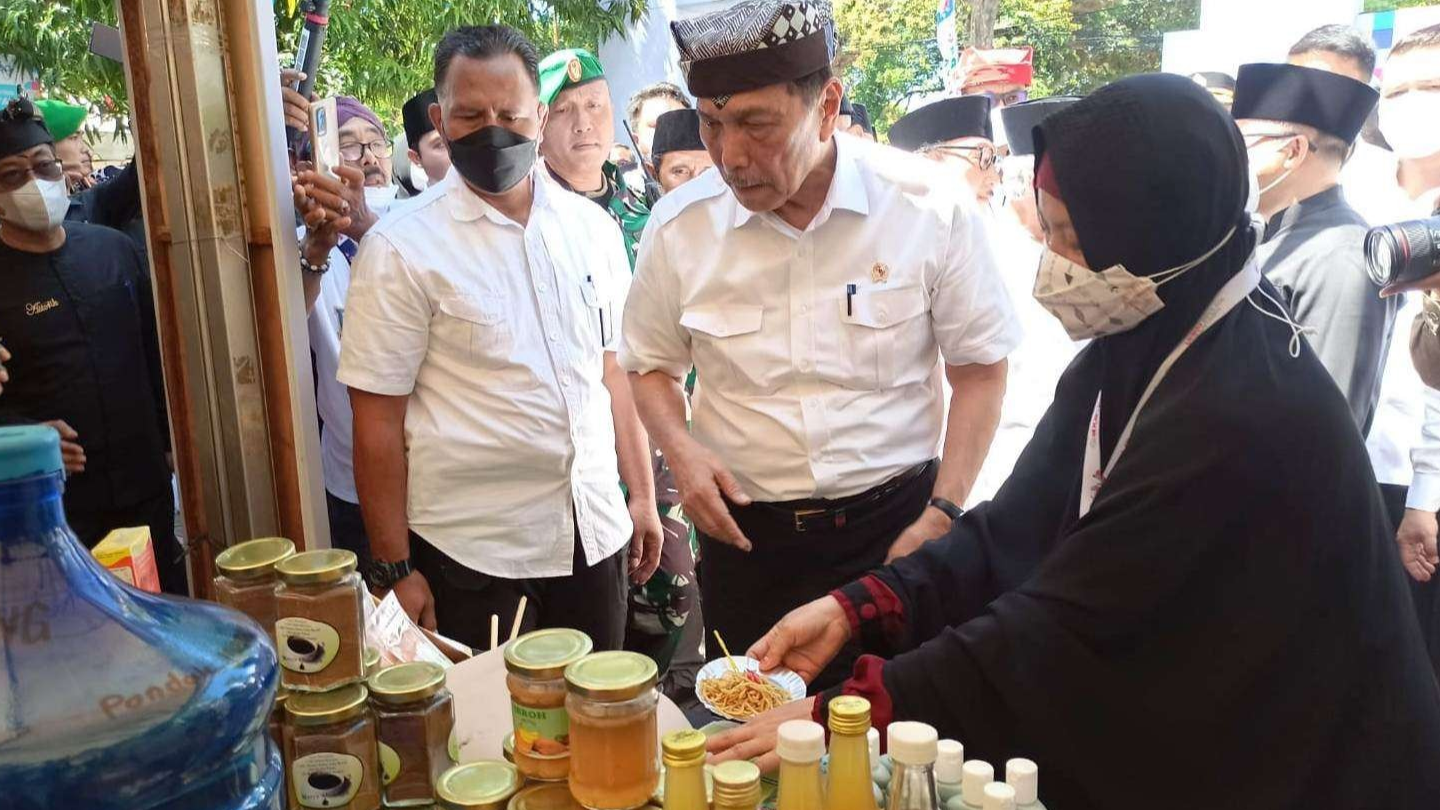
column 739, row 697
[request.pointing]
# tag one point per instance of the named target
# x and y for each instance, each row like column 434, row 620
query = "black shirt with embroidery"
column 80, row 324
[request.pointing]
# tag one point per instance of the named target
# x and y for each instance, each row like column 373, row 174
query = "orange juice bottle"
column 684, row 756
column 849, row 786
column 800, row 744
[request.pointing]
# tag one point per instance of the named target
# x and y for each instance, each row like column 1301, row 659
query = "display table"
column 482, row 707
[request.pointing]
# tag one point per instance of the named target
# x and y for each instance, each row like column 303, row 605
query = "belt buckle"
column 801, row 514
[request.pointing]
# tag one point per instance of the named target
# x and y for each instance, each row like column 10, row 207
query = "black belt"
column 816, row 514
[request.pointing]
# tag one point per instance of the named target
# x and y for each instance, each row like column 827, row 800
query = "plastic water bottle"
column 116, row 699
column 912, row 749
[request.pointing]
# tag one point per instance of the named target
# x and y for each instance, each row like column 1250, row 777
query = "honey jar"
column 536, row 665
column 483, row 785
column 614, row 747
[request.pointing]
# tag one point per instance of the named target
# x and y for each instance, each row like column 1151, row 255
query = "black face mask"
column 493, row 159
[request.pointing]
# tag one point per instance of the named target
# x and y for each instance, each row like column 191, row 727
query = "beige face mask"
column 1091, row 305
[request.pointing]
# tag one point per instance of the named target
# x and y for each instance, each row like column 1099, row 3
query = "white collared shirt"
column 332, row 399
column 817, row 352
column 497, row 333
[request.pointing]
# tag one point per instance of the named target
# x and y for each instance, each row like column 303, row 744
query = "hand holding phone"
column 325, row 136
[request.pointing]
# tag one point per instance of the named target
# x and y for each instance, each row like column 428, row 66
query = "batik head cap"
column 567, row 68
column 982, row 66
column 754, row 44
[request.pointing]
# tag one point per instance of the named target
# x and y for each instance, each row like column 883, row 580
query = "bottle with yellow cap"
column 800, row 744
column 737, row 785
column 849, row 786
column 684, row 755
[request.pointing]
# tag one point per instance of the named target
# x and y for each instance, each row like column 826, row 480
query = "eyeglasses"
column 982, row 156
column 45, row 169
column 354, row 151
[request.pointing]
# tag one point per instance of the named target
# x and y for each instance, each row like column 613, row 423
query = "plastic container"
column 247, row 578
column 536, row 664
column 1024, row 776
column 331, row 752
column 483, row 785
column 913, row 748
column 975, row 775
column 320, row 632
column 949, row 769
column 614, row 750
column 998, row 796
column 114, row 698
column 415, row 715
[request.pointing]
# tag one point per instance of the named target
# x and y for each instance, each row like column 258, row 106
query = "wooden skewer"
column 494, row 631
column 728, row 657
column 519, row 614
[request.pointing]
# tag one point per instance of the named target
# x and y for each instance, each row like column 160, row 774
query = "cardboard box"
column 130, row 556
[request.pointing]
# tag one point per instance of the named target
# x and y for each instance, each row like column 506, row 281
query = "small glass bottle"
column 320, row 632
column 800, row 744
column 246, row 580
column 737, row 785
column 975, row 775
column 614, row 751
column 1024, row 775
column 535, row 663
column 998, row 796
column 415, row 715
column 912, row 748
column 332, row 750
column 849, row 786
column 483, row 785
column 684, row 755
column 949, row 768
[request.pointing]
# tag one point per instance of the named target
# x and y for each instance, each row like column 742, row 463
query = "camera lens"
column 1404, row 252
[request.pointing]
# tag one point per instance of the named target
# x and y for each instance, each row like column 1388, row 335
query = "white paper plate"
column 784, row 678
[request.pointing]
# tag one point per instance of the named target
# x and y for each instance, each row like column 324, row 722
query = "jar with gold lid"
column 614, row 750
column 331, row 749
column 483, row 785
column 415, row 715
column 246, row 580
column 544, row 796
column 320, row 629
column 535, row 664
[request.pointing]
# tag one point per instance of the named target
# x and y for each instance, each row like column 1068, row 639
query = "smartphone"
column 325, row 136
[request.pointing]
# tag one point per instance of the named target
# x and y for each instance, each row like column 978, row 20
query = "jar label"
column 326, row 780
column 305, row 645
column 541, row 732
column 389, row 764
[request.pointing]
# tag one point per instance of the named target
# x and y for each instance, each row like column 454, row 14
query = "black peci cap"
column 21, row 128
column 1020, row 120
column 416, row 114
column 1334, row 104
column 676, row 131
column 944, row 120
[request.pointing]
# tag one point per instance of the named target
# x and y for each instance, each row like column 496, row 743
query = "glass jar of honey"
column 483, row 785
column 536, row 665
column 246, row 580
column 320, row 629
column 415, row 715
column 544, row 796
column 614, row 746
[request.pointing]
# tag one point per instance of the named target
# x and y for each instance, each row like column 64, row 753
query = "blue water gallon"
column 112, row 698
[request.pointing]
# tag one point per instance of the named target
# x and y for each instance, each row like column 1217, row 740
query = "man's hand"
column 414, row 594
column 1416, row 539
column 297, row 107
column 806, row 640
column 343, row 197
column 4, row 375
column 755, row 740
column 645, row 542
column 931, row 525
column 323, row 226
column 70, row 450
column 701, row 479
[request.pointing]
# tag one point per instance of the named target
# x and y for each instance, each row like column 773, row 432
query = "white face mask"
column 38, row 206
column 378, row 198
column 1112, row 301
column 1408, row 123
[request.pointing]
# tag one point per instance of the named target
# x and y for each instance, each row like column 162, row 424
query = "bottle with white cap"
column 912, row 750
column 800, row 744
column 1024, row 776
column 974, row 776
column 949, row 763
column 998, row 796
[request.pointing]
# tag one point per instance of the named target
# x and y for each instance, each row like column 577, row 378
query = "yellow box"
column 130, row 556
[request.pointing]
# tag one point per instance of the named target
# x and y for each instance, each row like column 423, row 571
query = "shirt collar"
column 847, row 187
column 1308, row 207
column 467, row 206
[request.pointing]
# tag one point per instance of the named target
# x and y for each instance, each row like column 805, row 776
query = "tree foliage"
column 379, row 51
column 1387, row 5
column 887, row 50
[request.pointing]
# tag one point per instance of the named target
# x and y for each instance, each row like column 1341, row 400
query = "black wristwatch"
column 384, row 575
column 948, row 507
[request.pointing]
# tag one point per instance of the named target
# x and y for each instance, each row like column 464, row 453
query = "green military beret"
column 567, row 68
column 62, row 119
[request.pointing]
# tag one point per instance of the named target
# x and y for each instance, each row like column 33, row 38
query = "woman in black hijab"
column 1218, row 619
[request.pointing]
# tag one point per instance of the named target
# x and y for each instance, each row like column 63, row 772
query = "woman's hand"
column 755, row 740
column 806, row 640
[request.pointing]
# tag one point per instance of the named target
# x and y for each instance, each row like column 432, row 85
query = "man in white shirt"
column 490, row 415
column 814, row 281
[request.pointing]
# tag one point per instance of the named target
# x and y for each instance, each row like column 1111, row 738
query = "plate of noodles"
column 742, row 695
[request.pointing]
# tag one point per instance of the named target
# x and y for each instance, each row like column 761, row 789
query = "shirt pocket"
column 727, row 339
column 877, row 326
column 599, row 312
column 475, row 329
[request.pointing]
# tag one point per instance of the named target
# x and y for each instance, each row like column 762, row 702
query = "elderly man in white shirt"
column 815, row 281
column 490, row 415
